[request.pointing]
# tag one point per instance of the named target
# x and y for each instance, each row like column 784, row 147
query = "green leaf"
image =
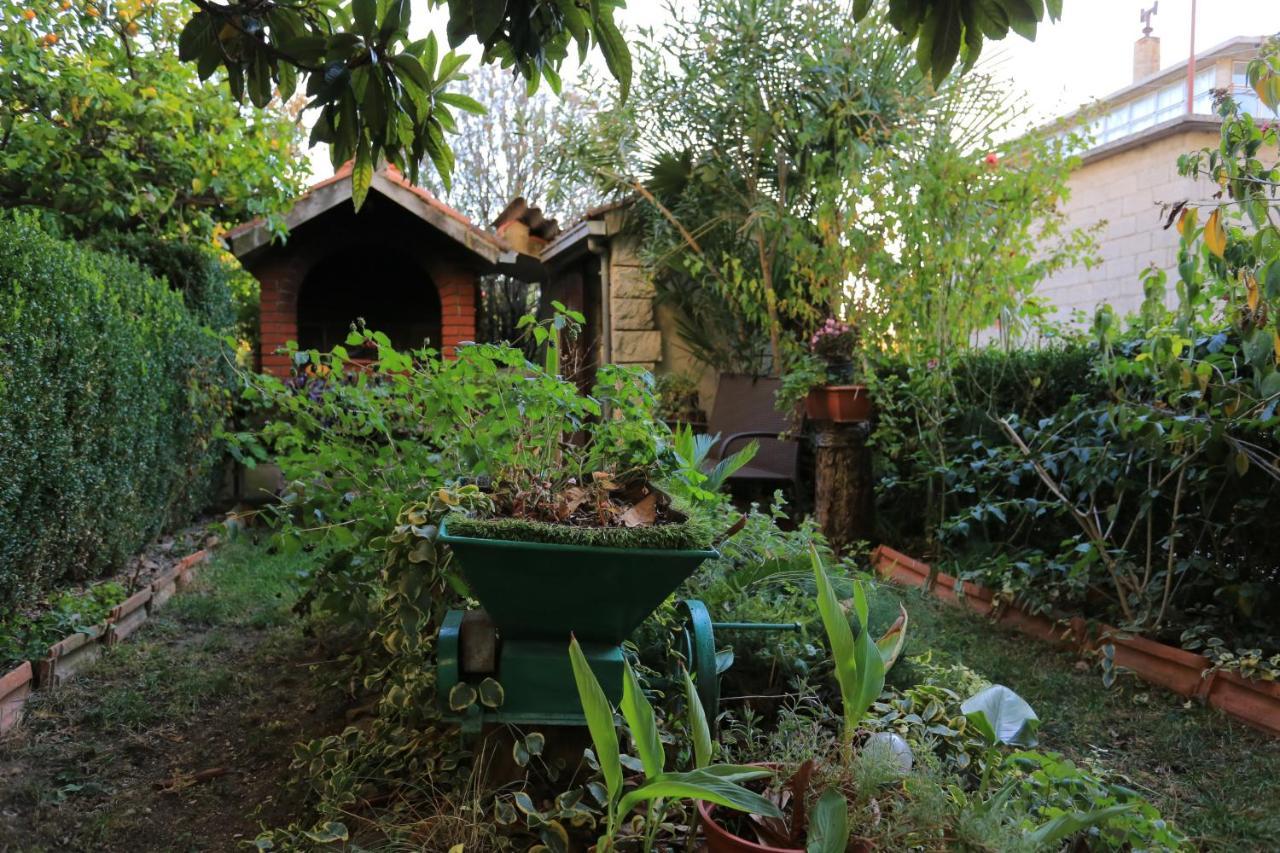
column 1002, row 716
column 890, row 645
column 617, row 56
column 361, row 172
column 461, row 696
column 860, row 9
column 328, row 833
column 699, row 731
column 491, row 693
column 858, row 664
column 466, row 103
column 487, row 16
column 196, row 36
column 828, row 824
column 947, row 27
column 599, row 714
column 699, row 785
column 638, row 713
column 364, row 14
column 1053, row 833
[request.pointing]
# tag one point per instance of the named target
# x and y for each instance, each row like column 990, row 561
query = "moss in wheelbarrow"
column 678, row 536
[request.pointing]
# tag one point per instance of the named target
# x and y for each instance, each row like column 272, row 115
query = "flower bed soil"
column 1185, row 673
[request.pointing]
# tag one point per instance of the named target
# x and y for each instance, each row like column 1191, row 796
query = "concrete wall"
column 1124, row 191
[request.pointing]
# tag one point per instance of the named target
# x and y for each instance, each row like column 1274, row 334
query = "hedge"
column 110, row 398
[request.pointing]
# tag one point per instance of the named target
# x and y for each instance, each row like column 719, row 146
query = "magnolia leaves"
column 381, row 96
column 945, row 30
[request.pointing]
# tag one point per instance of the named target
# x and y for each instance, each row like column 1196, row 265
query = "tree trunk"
column 844, row 499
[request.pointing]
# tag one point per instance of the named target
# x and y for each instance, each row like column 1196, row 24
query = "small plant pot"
column 840, row 371
column 1174, row 669
column 1255, row 702
column 15, row 687
column 721, row 840
column 841, row 404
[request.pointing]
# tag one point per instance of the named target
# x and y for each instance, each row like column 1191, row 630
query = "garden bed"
column 1191, row 675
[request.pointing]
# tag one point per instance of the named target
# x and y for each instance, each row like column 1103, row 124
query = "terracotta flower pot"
column 721, row 840
column 841, row 404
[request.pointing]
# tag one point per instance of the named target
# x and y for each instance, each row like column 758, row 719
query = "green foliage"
column 26, row 638
column 103, row 127
column 381, row 95
column 716, row 784
column 947, row 30
column 859, row 665
column 785, row 187
column 111, row 397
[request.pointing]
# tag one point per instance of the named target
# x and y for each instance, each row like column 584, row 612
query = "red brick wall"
column 381, row 226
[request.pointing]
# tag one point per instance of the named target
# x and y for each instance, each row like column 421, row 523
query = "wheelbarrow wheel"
column 697, row 644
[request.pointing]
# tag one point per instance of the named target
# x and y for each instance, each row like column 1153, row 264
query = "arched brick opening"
column 389, row 290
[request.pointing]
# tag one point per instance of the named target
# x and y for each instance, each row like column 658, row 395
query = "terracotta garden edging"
column 67, row 657
column 185, row 570
column 1185, row 673
column 15, row 687
column 127, row 616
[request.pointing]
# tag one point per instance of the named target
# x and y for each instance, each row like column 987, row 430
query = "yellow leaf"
column 1187, row 221
column 1276, row 344
column 1251, row 289
column 1215, row 237
column 197, row 185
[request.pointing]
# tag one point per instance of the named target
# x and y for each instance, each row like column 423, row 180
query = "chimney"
column 1146, row 50
column 1146, row 57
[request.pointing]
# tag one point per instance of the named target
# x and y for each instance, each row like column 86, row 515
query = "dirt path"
column 179, row 740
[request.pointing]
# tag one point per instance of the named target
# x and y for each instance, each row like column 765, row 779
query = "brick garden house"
column 407, row 263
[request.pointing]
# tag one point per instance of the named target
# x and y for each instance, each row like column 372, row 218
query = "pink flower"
column 992, row 159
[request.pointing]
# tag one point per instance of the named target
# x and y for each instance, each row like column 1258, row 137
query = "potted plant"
column 860, row 666
column 839, row 400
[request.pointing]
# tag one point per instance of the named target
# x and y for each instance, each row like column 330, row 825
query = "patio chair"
column 744, row 410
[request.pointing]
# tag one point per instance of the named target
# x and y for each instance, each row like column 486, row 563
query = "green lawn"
column 219, row 681
column 1216, row 778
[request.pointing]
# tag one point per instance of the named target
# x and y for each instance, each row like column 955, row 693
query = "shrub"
column 110, row 410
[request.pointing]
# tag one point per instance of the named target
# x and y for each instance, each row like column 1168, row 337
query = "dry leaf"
column 643, row 513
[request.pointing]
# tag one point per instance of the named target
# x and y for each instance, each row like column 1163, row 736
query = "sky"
column 1088, row 54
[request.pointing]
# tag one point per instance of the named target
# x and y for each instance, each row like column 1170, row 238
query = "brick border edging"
column 1185, row 673
column 71, row 654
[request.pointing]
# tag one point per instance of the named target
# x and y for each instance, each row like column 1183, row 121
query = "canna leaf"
column 599, row 714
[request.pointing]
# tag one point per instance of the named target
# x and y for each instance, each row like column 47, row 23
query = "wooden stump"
column 844, row 499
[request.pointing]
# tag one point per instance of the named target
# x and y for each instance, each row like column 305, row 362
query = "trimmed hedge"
column 110, row 396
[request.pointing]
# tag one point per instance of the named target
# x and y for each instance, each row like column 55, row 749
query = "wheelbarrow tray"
column 546, row 591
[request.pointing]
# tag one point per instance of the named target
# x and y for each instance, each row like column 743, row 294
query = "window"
column 1244, row 95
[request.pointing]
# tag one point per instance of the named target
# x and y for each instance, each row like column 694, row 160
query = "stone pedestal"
column 844, row 502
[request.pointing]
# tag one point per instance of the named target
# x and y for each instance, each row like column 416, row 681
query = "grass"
column 220, row 678
column 1218, row 779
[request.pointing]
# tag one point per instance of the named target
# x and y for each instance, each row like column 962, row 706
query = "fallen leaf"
column 643, row 513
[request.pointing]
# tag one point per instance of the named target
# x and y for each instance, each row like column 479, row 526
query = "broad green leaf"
column 699, row 785
column 599, row 714
column 1002, row 716
column 828, row 824
column 617, row 56
column 699, row 731
column 858, row 664
column 1050, row 835
column 638, row 713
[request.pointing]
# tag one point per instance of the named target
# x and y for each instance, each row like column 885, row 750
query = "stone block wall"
column 1124, row 192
